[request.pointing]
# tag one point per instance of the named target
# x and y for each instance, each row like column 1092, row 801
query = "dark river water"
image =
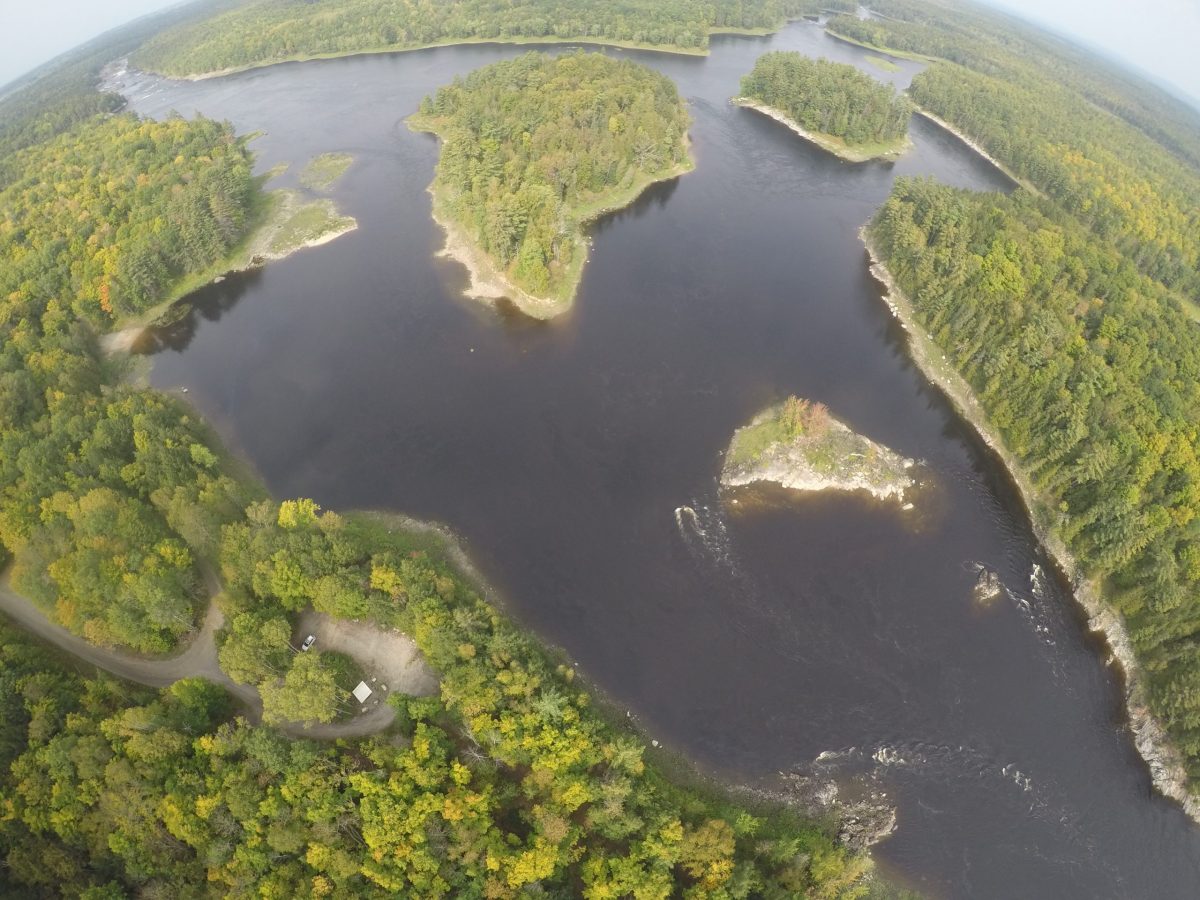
column 754, row 637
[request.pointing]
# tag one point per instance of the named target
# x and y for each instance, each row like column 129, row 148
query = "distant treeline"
column 1103, row 160
column 63, row 93
column 266, row 31
column 828, row 97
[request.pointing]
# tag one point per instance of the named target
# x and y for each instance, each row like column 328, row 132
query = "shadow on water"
column 177, row 327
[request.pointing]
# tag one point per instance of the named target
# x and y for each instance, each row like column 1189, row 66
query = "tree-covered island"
column 533, row 149
column 834, row 105
column 799, row 445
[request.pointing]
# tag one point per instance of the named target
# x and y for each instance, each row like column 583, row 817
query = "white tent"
column 362, row 692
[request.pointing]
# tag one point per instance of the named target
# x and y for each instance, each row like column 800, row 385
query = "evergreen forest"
column 829, row 98
column 265, row 31
column 536, row 146
column 1072, row 308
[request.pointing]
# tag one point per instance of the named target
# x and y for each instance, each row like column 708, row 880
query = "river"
column 753, row 638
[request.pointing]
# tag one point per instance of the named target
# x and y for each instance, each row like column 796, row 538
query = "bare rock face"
column 799, row 446
column 864, row 813
column 867, row 822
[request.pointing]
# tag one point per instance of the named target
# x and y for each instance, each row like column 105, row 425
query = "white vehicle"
column 308, row 642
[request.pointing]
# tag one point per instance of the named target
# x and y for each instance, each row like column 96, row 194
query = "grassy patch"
column 880, row 63
column 308, row 223
column 324, row 170
column 751, row 442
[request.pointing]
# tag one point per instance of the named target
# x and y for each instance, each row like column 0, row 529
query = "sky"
column 35, row 31
column 1158, row 36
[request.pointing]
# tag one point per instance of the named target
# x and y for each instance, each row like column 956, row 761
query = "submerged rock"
column 799, row 446
column 987, row 586
column 864, row 814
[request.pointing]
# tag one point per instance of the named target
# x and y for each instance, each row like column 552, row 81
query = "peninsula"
column 800, row 446
column 835, row 106
column 535, row 148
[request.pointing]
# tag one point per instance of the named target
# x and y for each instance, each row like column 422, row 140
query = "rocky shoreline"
column 488, row 283
column 1150, row 738
column 837, row 148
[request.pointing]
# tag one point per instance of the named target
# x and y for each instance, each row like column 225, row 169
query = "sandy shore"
column 1152, row 741
column 837, row 148
column 489, row 283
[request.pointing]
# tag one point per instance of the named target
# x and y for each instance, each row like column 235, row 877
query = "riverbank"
column 898, row 54
column 854, row 154
column 285, row 223
column 1151, row 740
column 806, row 449
column 974, row 145
column 454, row 42
column 586, row 41
column 489, row 283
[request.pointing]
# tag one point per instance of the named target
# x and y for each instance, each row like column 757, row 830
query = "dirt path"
column 384, row 654
column 387, row 657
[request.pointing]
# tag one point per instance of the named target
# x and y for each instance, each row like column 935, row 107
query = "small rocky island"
column 799, row 445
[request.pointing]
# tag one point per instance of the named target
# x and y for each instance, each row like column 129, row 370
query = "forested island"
column 533, row 149
column 798, row 445
column 269, row 31
column 834, row 105
column 120, row 514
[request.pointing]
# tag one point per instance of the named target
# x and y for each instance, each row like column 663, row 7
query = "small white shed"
column 362, row 692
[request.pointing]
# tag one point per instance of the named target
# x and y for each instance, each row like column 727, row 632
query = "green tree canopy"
column 829, row 98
